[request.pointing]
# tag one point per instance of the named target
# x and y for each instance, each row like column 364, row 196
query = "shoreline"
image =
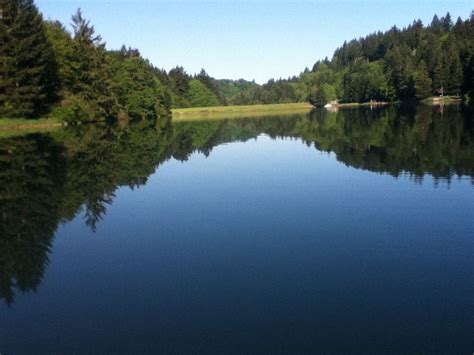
column 12, row 126
column 360, row 104
column 19, row 127
column 181, row 114
column 438, row 100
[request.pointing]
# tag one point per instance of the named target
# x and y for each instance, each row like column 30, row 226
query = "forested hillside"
column 46, row 69
column 409, row 64
column 406, row 64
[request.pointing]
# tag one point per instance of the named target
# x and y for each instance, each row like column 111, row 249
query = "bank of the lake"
column 13, row 126
column 218, row 112
column 434, row 100
column 443, row 100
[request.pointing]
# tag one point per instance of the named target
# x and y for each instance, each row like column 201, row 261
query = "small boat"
column 331, row 104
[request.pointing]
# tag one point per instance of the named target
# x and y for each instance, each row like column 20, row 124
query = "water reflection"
column 32, row 177
column 48, row 179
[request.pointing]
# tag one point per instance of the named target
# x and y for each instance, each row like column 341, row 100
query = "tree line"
column 47, row 70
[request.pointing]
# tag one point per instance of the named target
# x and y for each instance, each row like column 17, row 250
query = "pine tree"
column 446, row 22
column 422, row 82
column 62, row 44
column 401, row 77
column 181, row 80
column 28, row 73
column 90, row 81
column 456, row 75
column 441, row 75
column 448, row 73
column 435, row 23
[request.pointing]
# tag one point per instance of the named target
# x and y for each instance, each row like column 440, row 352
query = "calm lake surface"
column 330, row 231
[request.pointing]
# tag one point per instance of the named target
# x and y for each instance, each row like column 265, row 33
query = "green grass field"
column 18, row 126
column 220, row 112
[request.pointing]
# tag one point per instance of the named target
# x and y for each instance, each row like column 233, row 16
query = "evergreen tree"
column 90, row 85
column 435, row 23
column 181, row 80
column 446, row 22
column 422, row 82
column 62, row 44
column 401, row 77
column 441, row 75
column 456, row 75
column 28, row 80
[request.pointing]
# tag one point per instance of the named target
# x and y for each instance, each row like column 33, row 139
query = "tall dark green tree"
column 401, row 75
column 422, row 82
column 447, row 22
column 456, row 74
column 89, row 84
column 28, row 80
column 63, row 48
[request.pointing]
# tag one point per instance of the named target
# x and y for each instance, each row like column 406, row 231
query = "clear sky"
column 242, row 38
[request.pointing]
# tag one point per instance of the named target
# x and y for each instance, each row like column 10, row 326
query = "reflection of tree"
column 394, row 141
column 387, row 140
column 45, row 179
column 31, row 182
column 101, row 159
column 96, row 210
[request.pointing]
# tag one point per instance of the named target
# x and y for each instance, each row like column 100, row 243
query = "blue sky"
column 244, row 39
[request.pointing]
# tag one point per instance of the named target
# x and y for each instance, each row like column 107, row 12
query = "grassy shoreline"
column 440, row 100
column 14, row 126
column 182, row 114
